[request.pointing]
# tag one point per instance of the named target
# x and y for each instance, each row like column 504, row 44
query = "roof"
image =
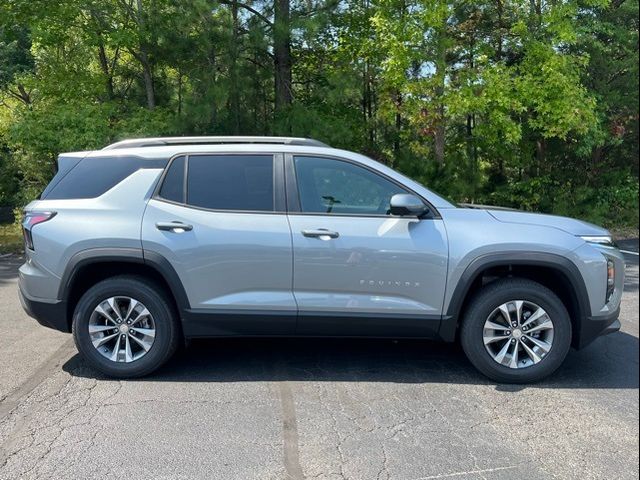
column 235, row 140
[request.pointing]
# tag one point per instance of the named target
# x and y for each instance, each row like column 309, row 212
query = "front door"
column 225, row 233
column 357, row 269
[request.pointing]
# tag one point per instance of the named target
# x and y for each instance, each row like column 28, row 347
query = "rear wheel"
column 124, row 328
column 516, row 331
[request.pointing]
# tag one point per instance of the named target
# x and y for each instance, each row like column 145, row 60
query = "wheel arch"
column 558, row 273
column 88, row 267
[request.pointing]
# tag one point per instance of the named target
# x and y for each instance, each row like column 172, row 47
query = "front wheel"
column 516, row 331
column 124, row 327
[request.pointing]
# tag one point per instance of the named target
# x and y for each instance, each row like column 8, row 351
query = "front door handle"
column 175, row 227
column 320, row 233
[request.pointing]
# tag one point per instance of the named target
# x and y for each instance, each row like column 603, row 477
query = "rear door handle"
column 175, row 227
column 319, row 233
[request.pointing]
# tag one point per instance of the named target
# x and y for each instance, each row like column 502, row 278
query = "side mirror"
column 404, row 204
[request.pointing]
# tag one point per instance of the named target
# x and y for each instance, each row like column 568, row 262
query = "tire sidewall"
column 486, row 302
column 162, row 316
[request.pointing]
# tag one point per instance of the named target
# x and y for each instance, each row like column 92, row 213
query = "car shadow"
column 609, row 363
column 9, row 265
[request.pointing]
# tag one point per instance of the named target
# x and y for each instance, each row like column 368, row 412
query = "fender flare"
column 129, row 255
column 450, row 318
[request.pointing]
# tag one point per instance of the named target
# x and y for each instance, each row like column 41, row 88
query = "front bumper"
column 52, row 315
column 594, row 327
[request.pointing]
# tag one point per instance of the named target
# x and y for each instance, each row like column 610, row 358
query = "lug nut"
column 514, row 324
column 513, row 340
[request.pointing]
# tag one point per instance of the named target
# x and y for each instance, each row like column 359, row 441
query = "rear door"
column 219, row 220
column 357, row 269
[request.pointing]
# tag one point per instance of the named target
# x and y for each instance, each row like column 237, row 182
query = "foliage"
column 10, row 239
column 528, row 104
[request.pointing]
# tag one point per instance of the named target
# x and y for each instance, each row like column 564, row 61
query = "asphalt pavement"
column 321, row 409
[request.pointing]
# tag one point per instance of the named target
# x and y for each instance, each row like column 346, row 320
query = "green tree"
column 529, row 104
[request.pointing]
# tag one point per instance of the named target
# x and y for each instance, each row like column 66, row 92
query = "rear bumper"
column 594, row 327
column 51, row 315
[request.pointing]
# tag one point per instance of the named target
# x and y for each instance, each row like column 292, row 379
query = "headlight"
column 605, row 240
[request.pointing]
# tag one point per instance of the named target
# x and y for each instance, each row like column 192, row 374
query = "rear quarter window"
column 65, row 164
column 93, row 176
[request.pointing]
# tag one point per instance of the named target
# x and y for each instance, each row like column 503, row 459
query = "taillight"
column 31, row 219
column 611, row 279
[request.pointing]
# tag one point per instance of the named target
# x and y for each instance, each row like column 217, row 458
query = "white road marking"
column 471, row 472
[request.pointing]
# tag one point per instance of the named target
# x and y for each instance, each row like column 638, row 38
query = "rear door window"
column 231, row 182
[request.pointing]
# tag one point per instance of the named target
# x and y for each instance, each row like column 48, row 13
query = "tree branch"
column 21, row 95
column 248, row 8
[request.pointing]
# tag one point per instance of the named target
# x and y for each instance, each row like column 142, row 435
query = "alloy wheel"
column 122, row 329
column 518, row 334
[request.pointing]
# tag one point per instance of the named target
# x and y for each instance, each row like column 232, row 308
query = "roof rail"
column 165, row 141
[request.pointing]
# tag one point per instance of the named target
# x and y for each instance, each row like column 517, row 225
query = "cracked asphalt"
column 321, row 409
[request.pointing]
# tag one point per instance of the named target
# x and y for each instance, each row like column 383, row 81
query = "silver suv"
column 147, row 242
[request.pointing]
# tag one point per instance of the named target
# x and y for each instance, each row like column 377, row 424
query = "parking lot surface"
column 321, row 409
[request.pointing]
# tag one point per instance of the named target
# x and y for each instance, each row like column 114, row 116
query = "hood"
column 569, row 225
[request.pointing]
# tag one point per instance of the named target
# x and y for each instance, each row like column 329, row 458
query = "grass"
column 10, row 238
column 622, row 233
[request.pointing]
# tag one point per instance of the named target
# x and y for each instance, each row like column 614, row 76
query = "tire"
column 484, row 306
column 162, row 318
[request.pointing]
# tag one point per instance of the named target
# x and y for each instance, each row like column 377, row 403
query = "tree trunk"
column 500, row 26
column 148, row 80
column 541, row 155
column 470, row 141
column 234, row 97
column 21, row 94
column 398, row 125
column 475, row 147
column 472, row 151
column 143, row 58
column 441, row 65
column 256, row 92
column 535, row 15
column 104, row 66
column 368, row 95
column 367, row 105
column 179, row 93
column 282, row 61
column 213, row 114
column 440, row 140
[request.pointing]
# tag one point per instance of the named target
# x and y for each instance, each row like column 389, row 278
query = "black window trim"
column 279, row 206
column 293, row 192
column 185, row 179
